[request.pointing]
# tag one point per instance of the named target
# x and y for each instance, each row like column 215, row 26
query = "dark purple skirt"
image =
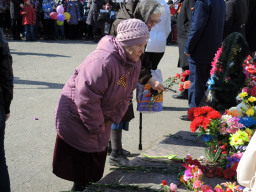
column 78, row 166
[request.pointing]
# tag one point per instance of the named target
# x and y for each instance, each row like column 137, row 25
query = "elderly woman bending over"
column 96, row 95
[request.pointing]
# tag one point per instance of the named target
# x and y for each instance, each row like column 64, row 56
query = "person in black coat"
column 6, row 95
column 183, row 30
column 96, row 26
column 250, row 27
column 236, row 17
column 15, row 8
column 206, row 33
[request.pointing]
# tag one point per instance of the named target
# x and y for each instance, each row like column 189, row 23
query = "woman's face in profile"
column 134, row 52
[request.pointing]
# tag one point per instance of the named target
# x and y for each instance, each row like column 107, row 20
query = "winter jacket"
column 28, row 15
column 99, row 90
column 15, row 9
column 236, row 17
column 183, row 29
column 74, row 11
column 95, row 9
column 6, row 74
column 206, row 30
column 246, row 168
column 48, row 6
column 160, row 32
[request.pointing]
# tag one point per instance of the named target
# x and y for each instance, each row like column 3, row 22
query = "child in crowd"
column 49, row 24
column 28, row 20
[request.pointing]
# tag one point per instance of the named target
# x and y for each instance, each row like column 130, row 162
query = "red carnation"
column 191, row 113
column 207, row 109
column 164, row 182
column 177, row 75
column 183, row 74
column 205, row 122
column 198, row 112
column 187, row 72
column 181, row 88
column 182, row 79
column 196, row 123
column 214, row 115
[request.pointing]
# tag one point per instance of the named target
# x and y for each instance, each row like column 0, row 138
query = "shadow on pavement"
column 175, row 108
column 29, row 82
column 38, row 54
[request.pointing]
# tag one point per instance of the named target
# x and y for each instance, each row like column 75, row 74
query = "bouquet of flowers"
column 208, row 121
column 192, row 177
column 171, row 188
column 178, row 79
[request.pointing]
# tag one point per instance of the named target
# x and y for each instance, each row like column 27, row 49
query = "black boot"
column 79, row 186
column 182, row 95
column 117, row 158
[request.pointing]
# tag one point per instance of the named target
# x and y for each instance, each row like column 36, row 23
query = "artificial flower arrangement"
column 226, row 74
column 192, row 177
column 226, row 135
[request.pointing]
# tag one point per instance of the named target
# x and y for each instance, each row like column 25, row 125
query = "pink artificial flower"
column 238, row 155
column 173, row 187
column 196, row 176
column 197, row 184
column 247, row 90
column 187, row 175
column 215, row 65
column 200, row 172
column 253, row 91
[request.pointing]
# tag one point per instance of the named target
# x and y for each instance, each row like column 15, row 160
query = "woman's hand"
column 108, row 123
column 156, row 85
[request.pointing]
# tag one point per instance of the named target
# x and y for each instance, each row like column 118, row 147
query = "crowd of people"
column 93, row 108
column 29, row 19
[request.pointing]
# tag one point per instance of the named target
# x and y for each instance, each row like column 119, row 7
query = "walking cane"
column 140, row 144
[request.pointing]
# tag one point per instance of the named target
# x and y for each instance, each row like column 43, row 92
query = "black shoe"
column 184, row 118
column 180, row 96
column 125, row 152
column 117, row 158
column 79, row 187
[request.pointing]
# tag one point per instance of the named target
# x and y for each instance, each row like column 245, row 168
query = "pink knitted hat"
column 132, row 32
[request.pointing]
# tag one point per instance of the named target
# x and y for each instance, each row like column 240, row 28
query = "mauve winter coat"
column 99, row 90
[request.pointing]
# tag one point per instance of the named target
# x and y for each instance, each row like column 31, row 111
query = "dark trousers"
column 199, row 74
column 29, row 32
column 72, row 31
column 49, row 29
column 16, row 28
column 4, row 175
column 155, row 58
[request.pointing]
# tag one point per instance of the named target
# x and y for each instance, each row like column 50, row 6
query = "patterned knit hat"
column 132, row 32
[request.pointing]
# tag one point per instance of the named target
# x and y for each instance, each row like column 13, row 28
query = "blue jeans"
column 29, row 32
column 4, row 175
